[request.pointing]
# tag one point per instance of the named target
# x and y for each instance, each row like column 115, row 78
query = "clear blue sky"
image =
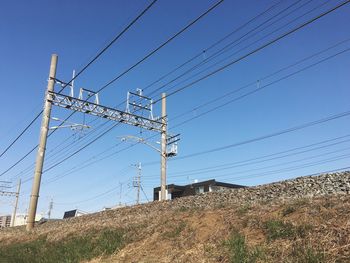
column 76, row 30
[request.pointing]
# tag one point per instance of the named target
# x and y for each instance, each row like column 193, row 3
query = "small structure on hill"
column 73, row 213
column 176, row 191
column 20, row 220
column 5, row 221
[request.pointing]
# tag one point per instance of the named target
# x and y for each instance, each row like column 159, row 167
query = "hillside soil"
column 301, row 230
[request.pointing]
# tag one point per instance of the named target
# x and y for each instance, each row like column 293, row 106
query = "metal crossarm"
column 75, row 104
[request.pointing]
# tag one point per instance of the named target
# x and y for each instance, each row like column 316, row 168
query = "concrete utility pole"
column 16, row 203
column 137, row 182
column 163, row 153
column 42, row 145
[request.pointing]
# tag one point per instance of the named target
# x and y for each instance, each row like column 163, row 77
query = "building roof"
column 73, row 213
column 208, row 182
column 70, row 213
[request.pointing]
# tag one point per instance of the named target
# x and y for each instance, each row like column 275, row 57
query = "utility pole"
column 120, row 193
column 42, row 145
column 16, row 203
column 50, row 209
column 163, row 153
column 137, row 183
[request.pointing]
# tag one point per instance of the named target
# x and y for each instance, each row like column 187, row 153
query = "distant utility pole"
column 50, row 209
column 137, row 183
column 42, row 145
column 16, row 203
column 120, row 193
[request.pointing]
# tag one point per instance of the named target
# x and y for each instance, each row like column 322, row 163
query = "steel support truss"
column 75, row 104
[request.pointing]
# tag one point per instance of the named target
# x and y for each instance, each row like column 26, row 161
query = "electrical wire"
column 212, row 45
column 262, row 159
column 79, row 73
column 127, row 70
column 230, row 45
column 257, row 49
column 274, row 82
column 267, row 136
column 259, row 88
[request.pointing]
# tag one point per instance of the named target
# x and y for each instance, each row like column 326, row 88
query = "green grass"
column 288, row 210
column 307, row 254
column 242, row 210
column 176, row 231
column 68, row 250
column 239, row 252
column 277, row 229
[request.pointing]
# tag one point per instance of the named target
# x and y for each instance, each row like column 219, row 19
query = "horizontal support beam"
column 139, row 106
column 91, row 108
column 141, row 96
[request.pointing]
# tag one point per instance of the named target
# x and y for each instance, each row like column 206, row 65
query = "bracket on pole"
column 136, row 102
column 71, row 125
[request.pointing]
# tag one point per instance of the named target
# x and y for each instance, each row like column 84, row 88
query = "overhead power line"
column 257, row 89
column 250, row 53
column 212, row 45
column 288, row 169
column 257, row 49
column 235, row 99
column 264, row 137
column 79, row 73
column 21, row 133
column 254, row 83
column 264, row 158
column 230, row 45
column 269, row 166
column 130, row 68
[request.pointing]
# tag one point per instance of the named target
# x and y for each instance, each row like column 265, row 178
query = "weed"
column 288, row 210
column 276, row 229
column 183, row 209
column 176, row 231
column 303, row 230
column 219, row 205
column 243, row 209
column 239, row 251
column 301, row 202
column 306, row 254
column 328, row 203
